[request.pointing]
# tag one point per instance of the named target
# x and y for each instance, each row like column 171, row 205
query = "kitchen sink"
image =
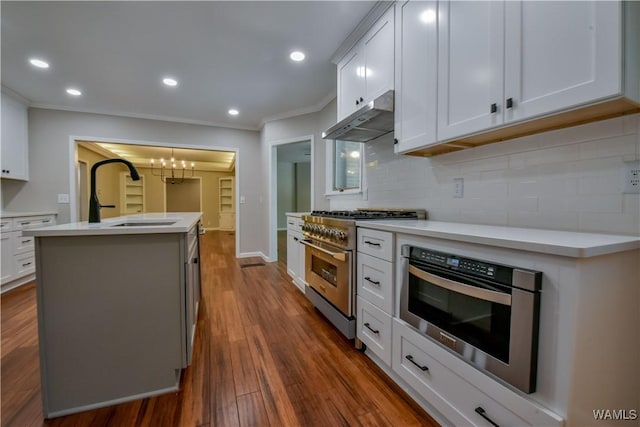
column 144, row 224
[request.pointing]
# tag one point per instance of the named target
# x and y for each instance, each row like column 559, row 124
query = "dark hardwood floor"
column 263, row 357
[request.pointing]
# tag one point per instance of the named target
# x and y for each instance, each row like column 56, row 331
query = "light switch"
column 63, row 198
column 241, row 199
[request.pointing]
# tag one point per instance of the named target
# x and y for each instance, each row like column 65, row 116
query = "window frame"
column 330, row 175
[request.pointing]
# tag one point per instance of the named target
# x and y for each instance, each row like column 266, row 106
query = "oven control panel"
column 453, row 262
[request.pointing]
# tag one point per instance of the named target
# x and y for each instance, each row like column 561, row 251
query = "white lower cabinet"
column 440, row 379
column 295, row 252
column 18, row 256
column 374, row 330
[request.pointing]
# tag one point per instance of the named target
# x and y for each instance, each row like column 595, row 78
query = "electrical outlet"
column 458, row 188
column 631, row 183
column 63, row 198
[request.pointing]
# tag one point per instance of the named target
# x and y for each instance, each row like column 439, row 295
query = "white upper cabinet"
column 470, row 67
column 366, row 71
column 510, row 68
column 351, row 83
column 559, row 55
column 15, row 152
column 416, row 74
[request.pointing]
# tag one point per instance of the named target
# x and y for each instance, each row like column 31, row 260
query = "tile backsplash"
column 567, row 179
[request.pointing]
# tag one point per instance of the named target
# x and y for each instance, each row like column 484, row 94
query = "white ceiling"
column 223, row 54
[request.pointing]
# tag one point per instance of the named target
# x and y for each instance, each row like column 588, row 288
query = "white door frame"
column 273, row 189
column 73, row 169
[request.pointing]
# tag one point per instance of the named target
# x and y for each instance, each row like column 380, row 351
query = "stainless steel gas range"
column 330, row 240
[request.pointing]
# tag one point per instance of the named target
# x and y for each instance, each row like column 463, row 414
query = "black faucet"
column 94, row 203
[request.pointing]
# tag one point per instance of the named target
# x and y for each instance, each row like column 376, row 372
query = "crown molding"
column 367, row 22
column 15, row 95
column 301, row 111
column 143, row 116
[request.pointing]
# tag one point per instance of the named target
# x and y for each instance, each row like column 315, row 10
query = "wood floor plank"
column 263, row 355
column 251, row 411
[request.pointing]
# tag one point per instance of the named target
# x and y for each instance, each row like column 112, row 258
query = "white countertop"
column 296, row 214
column 19, row 214
column 177, row 222
column 564, row 243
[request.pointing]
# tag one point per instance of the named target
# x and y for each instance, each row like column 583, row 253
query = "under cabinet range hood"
column 369, row 122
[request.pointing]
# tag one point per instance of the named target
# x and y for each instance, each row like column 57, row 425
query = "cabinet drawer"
column 33, row 222
column 22, row 244
column 374, row 329
column 24, row 264
column 454, row 397
column 375, row 281
column 6, row 225
column 376, row 243
column 294, row 224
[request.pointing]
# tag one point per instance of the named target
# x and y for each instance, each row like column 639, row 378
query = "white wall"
column 286, row 192
column 49, row 132
column 568, row 179
column 299, row 126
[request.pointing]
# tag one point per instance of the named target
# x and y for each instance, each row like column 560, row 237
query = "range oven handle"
column 461, row 288
column 340, row 256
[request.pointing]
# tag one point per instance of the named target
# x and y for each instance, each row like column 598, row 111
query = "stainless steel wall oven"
column 486, row 313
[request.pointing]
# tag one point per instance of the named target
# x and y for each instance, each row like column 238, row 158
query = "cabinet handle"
column 368, row 326
column 357, row 102
column 25, row 241
column 361, row 99
column 296, row 239
column 483, row 414
column 395, row 141
column 24, row 265
column 509, row 102
column 410, row 359
column 368, row 279
column 494, row 108
column 372, row 243
column 25, row 223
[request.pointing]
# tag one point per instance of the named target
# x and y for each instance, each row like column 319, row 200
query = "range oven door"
column 492, row 326
column 328, row 271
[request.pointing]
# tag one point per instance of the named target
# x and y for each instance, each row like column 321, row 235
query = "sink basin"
column 144, row 224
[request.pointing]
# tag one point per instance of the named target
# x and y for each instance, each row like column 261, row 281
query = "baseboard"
column 212, row 228
column 18, row 282
column 255, row 254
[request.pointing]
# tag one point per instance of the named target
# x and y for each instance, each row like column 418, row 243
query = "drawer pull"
column 368, row 326
column 25, row 222
column 410, row 359
column 27, row 264
column 372, row 243
column 368, row 279
column 483, row 414
column 26, row 241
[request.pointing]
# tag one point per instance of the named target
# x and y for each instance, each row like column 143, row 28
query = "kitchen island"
column 117, row 308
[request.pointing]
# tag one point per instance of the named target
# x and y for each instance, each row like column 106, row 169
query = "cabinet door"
column 351, row 83
column 378, row 48
column 15, row 155
column 293, row 261
column 301, row 261
column 6, row 243
column 559, row 55
column 416, row 75
column 470, row 67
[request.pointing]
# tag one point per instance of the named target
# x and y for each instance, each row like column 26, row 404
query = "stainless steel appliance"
column 487, row 313
column 371, row 121
column 330, row 240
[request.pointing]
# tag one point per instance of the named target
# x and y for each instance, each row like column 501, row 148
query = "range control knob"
column 342, row 236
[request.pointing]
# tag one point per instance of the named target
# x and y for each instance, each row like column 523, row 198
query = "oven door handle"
column 461, row 288
column 340, row 256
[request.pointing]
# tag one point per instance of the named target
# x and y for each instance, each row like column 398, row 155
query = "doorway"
column 291, row 187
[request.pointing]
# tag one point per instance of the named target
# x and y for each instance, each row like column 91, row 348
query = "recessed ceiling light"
column 39, row 63
column 170, row 81
column 234, row 112
column 74, row 91
column 297, row 56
